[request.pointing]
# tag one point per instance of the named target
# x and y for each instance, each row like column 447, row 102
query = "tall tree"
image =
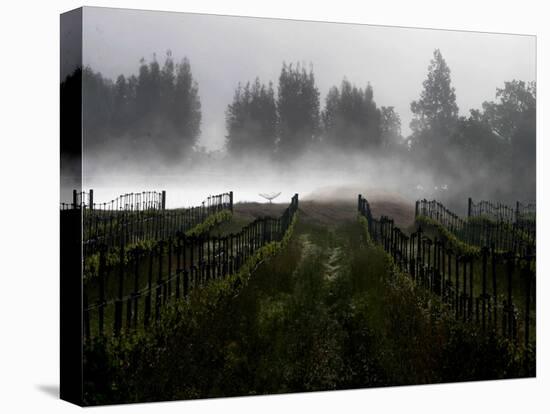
column 143, row 91
column 298, row 110
column 97, row 107
column 167, row 83
column 513, row 118
column 516, row 101
column 476, row 141
column 251, row 120
column 351, row 119
column 436, row 112
column 157, row 111
column 154, row 87
column 186, row 113
column 120, row 105
column 390, row 127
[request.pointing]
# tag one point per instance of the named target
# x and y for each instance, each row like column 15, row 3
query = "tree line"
column 159, row 110
column 498, row 140
column 291, row 122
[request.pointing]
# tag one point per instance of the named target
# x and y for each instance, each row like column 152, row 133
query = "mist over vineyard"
column 163, row 123
column 266, row 206
column 145, row 130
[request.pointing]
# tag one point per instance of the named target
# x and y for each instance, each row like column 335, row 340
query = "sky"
column 225, row 50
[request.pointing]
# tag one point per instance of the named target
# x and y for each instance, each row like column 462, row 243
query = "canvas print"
column 257, row 206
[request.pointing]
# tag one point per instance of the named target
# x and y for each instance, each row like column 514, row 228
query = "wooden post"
column 471, row 304
column 159, row 296
column 91, row 199
column 148, row 300
column 185, row 283
column 171, row 250
column 163, row 200
column 178, row 266
column 136, row 255
column 86, row 315
column 129, row 306
column 457, row 282
column 74, row 198
column 101, row 310
column 231, row 201
column 528, row 275
column 494, row 277
column 118, row 303
column 484, row 252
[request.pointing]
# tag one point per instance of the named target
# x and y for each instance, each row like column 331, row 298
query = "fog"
column 224, row 51
column 320, row 176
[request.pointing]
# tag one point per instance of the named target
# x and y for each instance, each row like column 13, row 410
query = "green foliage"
column 289, row 327
column 451, row 240
column 422, row 342
column 507, row 228
column 180, row 356
column 482, row 356
column 456, row 243
column 364, row 223
column 211, row 222
column 112, row 256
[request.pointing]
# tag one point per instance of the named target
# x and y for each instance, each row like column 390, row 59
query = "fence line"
column 478, row 230
column 502, row 212
column 146, row 200
column 116, row 301
column 467, row 283
column 115, row 227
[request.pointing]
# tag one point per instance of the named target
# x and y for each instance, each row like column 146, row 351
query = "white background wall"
column 29, row 289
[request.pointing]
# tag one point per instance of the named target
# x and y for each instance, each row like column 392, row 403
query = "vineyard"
column 487, row 224
column 152, row 257
column 481, row 281
column 201, row 290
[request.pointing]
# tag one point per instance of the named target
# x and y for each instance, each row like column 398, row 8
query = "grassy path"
column 301, row 313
